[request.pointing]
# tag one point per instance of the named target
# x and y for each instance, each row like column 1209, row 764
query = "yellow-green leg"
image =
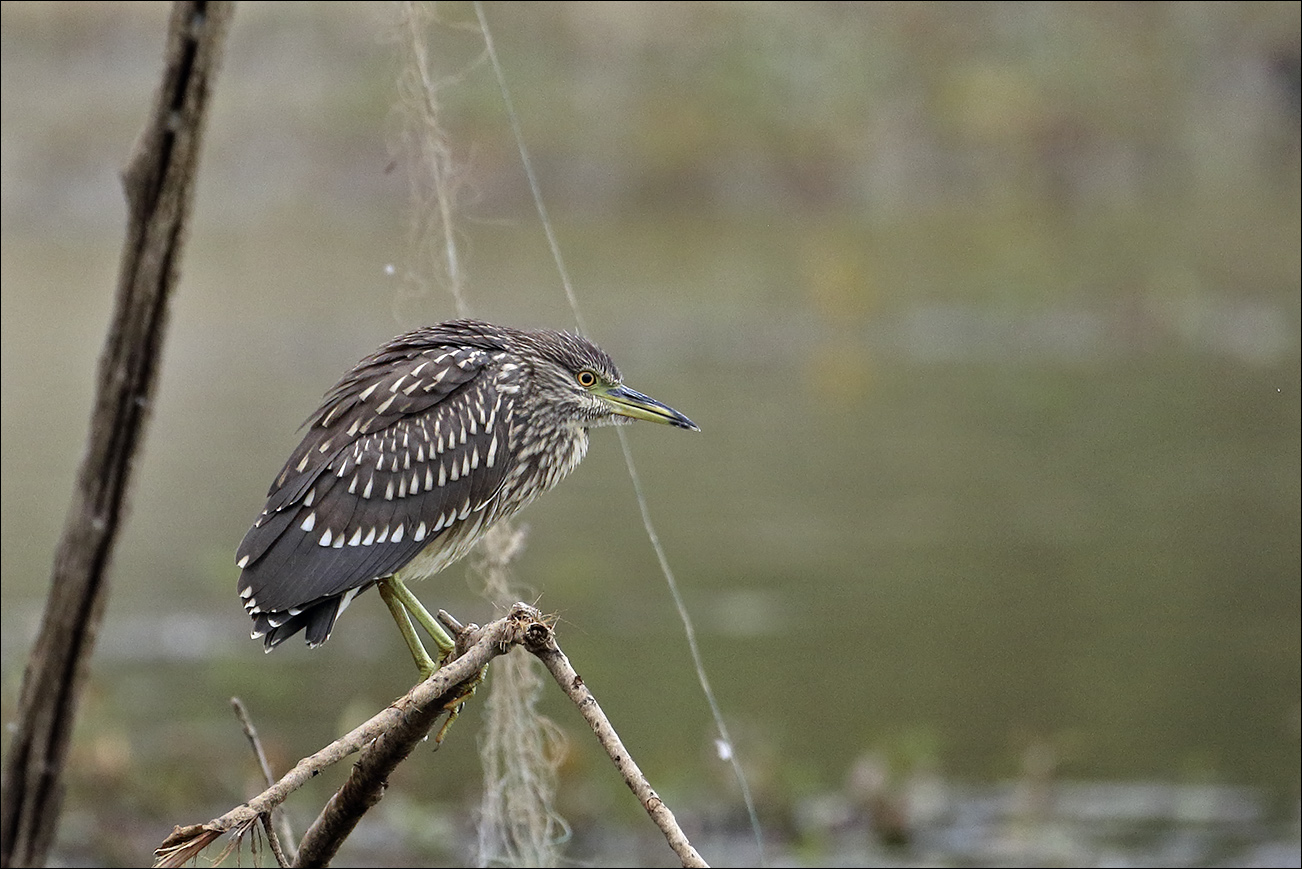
column 403, row 605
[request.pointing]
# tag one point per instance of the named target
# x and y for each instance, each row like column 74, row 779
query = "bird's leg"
column 422, row 616
column 399, row 600
column 403, row 605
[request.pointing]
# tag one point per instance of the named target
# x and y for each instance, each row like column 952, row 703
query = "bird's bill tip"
column 633, row 404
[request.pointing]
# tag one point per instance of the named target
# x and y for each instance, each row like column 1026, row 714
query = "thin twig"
column 281, row 821
column 251, row 733
column 269, row 827
column 541, row 642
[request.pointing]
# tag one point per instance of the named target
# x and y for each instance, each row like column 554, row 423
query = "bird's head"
column 578, row 379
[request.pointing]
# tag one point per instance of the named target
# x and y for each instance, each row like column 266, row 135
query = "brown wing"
column 408, row 445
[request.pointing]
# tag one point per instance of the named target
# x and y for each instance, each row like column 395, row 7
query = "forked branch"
column 388, row 738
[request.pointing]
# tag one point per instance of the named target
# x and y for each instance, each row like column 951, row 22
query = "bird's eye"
column 586, row 379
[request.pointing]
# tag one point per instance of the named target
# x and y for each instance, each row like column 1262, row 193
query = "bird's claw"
column 458, row 702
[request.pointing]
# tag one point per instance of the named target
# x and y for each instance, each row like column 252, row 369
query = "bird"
column 411, row 458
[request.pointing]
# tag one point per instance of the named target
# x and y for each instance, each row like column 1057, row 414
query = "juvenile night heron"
column 412, row 456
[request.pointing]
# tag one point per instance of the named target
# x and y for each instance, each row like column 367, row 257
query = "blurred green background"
column 989, row 314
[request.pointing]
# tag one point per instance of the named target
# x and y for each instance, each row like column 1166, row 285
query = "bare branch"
column 251, row 732
column 159, row 184
column 541, row 642
column 385, row 740
column 390, row 737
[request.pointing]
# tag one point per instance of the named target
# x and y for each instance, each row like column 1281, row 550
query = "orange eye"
column 586, row 379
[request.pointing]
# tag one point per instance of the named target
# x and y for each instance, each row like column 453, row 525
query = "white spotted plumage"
column 412, row 455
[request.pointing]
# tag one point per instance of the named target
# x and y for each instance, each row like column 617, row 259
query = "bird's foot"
column 458, row 702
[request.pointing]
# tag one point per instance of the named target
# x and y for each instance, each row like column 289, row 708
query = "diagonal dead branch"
column 389, row 737
column 385, row 740
column 159, row 183
column 541, row 642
